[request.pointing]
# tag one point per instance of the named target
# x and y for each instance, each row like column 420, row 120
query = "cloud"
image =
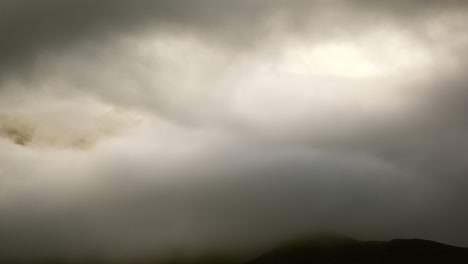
column 30, row 29
column 198, row 126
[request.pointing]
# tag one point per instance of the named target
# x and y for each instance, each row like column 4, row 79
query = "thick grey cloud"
column 30, row 28
column 186, row 127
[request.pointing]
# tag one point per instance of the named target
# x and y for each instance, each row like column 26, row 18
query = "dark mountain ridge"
column 320, row 249
column 343, row 250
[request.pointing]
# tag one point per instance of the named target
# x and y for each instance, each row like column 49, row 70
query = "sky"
column 166, row 127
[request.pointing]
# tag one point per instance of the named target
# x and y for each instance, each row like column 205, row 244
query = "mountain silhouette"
column 331, row 249
column 320, row 249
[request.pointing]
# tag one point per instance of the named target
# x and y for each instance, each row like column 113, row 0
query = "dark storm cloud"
column 30, row 28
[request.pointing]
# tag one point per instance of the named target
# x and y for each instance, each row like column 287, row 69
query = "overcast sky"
column 162, row 126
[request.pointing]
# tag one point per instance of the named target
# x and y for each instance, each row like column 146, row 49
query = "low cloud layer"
column 161, row 128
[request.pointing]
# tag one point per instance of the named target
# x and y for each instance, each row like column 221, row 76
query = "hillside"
column 342, row 250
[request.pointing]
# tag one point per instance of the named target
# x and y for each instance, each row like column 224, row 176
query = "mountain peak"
column 331, row 248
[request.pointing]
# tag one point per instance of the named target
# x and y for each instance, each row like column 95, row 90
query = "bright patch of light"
column 332, row 81
column 298, row 81
column 370, row 56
